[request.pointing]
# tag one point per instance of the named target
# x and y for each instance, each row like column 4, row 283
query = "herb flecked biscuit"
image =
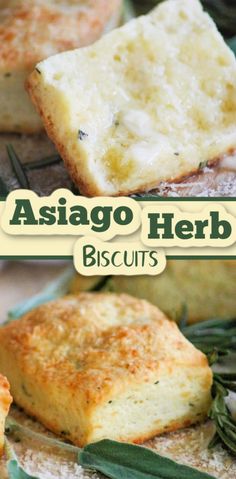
column 151, row 101
column 5, row 402
column 206, row 288
column 96, row 366
column 32, row 30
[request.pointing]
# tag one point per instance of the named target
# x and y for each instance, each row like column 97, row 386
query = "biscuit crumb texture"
column 32, row 30
column 156, row 98
column 5, row 402
column 96, row 366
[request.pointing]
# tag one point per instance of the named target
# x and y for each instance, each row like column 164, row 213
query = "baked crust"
column 33, row 30
column 206, row 288
column 5, row 402
column 89, row 366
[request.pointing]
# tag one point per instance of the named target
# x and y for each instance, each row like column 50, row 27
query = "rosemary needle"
column 3, row 189
column 18, row 168
column 47, row 161
column 220, row 413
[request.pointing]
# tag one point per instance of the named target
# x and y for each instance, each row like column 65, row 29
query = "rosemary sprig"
column 18, row 168
column 21, row 169
column 215, row 336
column 3, row 189
column 220, row 413
column 55, row 289
column 47, row 161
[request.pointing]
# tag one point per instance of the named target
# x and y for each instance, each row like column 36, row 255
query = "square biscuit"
column 32, row 30
column 100, row 365
column 148, row 103
column 5, row 402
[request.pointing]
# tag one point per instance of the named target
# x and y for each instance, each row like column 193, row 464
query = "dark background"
column 222, row 11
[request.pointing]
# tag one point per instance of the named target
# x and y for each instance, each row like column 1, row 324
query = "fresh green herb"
column 217, row 338
column 118, row 460
column 111, row 458
column 53, row 290
column 48, row 161
column 15, row 471
column 220, row 413
column 21, row 169
column 3, row 188
column 232, row 44
column 18, row 168
column 14, row 428
column 101, row 285
column 128, row 11
column 145, row 195
column 213, row 337
column 223, row 12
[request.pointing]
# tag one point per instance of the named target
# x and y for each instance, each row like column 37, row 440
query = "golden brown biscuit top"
column 92, row 342
column 33, row 30
column 5, row 397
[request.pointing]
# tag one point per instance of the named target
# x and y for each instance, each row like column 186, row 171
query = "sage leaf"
column 14, row 428
column 125, row 461
column 16, row 472
column 3, row 189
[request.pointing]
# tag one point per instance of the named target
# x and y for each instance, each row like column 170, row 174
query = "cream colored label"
column 123, row 234
column 168, row 226
column 94, row 257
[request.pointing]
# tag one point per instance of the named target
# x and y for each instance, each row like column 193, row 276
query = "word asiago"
column 100, row 218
